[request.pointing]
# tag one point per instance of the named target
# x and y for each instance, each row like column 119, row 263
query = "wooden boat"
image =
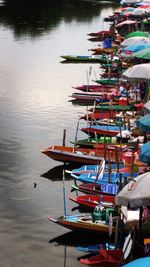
column 101, row 33
column 84, row 155
column 95, row 88
column 73, row 155
column 82, row 223
column 90, row 59
column 96, row 189
column 95, row 96
column 91, row 201
column 98, row 114
column 101, row 50
column 97, row 222
column 102, row 130
column 96, row 39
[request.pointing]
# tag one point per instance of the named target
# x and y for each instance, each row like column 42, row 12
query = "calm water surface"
column 34, row 111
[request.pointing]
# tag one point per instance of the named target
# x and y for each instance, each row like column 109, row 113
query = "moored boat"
column 96, row 222
column 102, row 130
column 86, row 58
column 91, row 201
column 113, row 177
column 96, row 189
column 73, row 155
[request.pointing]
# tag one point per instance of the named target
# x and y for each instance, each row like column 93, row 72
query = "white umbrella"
column 139, row 11
column 135, row 40
column 137, row 72
column 130, row 1
column 136, row 193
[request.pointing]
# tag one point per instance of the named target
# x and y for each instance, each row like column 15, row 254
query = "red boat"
column 100, row 33
column 95, row 88
column 100, row 115
column 95, row 189
column 111, row 257
column 91, row 201
column 110, row 74
column 105, row 258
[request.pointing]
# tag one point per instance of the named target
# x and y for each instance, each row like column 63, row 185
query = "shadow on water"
column 74, row 238
column 56, row 173
column 77, row 102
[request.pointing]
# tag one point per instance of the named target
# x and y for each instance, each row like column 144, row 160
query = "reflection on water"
column 36, row 17
column 34, row 111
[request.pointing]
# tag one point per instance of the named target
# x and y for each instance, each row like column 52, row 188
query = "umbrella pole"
column 140, row 221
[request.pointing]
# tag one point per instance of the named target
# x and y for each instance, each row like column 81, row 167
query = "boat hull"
column 71, row 155
column 83, row 223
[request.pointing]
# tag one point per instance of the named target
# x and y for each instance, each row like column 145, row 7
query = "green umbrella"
column 137, row 33
column 143, row 54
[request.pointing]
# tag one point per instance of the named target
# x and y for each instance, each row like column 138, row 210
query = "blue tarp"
column 145, row 153
column 107, row 43
column 144, row 123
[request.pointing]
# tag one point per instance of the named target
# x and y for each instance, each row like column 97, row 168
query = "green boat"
column 90, row 142
column 108, row 81
column 102, row 107
column 80, row 59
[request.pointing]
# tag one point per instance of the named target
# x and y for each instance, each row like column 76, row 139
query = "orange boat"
column 82, row 155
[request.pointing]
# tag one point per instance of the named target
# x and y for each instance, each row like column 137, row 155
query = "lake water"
column 34, row 111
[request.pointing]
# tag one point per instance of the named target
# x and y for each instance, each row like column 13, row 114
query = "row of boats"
column 114, row 158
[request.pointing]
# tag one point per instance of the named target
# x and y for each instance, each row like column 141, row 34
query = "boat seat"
column 104, row 203
column 79, row 153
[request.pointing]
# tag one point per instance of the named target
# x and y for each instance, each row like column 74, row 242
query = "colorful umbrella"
column 136, row 40
column 143, row 53
column 144, row 123
column 142, row 262
column 144, row 155
column 136, row 34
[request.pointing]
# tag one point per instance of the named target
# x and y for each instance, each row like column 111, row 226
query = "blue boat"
column 95, row 168
column 102, row 130
column 113, row 177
